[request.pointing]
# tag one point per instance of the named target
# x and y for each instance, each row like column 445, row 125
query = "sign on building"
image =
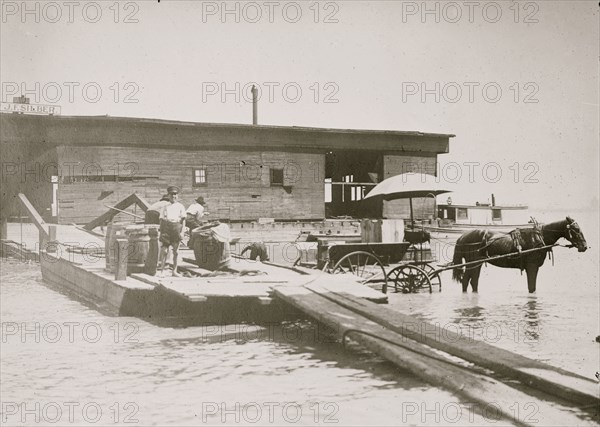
column 21, row 108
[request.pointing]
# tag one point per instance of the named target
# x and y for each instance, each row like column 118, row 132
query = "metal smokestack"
column 254, row 105
column 493, row 200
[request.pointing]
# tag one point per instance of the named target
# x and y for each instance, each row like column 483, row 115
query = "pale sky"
column 369, row 58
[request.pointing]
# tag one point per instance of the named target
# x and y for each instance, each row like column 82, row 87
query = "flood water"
column 65, row 363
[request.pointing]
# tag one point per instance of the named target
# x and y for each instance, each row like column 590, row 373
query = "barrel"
column 211, row 251
column 113, row 231
column 139, row 244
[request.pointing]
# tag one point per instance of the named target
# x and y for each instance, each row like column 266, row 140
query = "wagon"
column 406, row 267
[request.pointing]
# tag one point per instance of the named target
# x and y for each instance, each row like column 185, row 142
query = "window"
column 199, row 177
column 462, row 213
column 497, row 214
column 276, row 177
column 357, row 193
column 328, row 190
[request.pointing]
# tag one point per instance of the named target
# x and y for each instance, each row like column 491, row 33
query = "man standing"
column 172, row 226
column 194, row 216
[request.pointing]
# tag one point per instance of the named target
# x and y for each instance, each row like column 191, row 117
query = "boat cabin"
column 482, row 214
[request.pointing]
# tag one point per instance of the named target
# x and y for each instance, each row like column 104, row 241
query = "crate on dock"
column 382, row 230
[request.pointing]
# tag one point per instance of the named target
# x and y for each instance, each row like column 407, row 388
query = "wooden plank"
column 346, row 284
column 33, row 214
column 435, row 367
column 123, row 204
column 146, row 278
column 221, row 290
column 550, row 379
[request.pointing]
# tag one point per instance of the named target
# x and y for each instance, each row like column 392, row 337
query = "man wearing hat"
column 172, row 226
column 194, row 216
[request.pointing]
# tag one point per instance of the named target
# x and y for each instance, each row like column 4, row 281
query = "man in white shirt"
column 172, row 226
column 194, row 216
column 195, row 213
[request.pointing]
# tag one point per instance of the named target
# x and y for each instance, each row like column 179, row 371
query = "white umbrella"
column 407, row 186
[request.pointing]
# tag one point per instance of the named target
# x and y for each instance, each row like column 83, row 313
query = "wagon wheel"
column 409, row 279
column 434, row 277
column 364, row 265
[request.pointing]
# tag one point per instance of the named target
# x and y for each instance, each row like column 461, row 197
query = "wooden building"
column 71, row 168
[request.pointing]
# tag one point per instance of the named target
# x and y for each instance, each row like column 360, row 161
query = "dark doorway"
column 349, row 175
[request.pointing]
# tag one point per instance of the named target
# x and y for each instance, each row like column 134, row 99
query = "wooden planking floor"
column 257, row 286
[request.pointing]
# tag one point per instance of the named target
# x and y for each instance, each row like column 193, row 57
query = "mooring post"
column 122, row 258
column 152, row 258
column 4, row 228
column 51, row 244
column 48, row 240
column 43, row 240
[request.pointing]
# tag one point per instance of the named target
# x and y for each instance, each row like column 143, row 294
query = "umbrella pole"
column 412, row 219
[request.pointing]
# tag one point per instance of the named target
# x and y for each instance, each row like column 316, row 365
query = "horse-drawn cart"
column 404, row 266
column 410, row 266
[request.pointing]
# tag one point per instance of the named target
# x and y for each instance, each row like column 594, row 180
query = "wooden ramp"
column 435, row 360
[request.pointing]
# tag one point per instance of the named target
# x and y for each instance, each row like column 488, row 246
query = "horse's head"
column 574, row 235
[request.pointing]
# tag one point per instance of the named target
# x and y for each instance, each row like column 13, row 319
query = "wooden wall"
column 238, row 182
column 26, row 169
column 423, row 208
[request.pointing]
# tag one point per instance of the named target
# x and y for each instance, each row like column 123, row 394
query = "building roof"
column 128, row 131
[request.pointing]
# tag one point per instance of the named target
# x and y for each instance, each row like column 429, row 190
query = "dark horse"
column 481, row 244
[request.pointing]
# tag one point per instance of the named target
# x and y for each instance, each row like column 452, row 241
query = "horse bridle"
column 569, row 235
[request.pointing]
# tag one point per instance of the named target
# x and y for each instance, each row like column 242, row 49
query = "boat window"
column 462, row 213
column 496, row 214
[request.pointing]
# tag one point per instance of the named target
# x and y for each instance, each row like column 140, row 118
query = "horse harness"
column 522, row 239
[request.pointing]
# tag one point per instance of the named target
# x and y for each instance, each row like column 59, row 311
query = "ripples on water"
column 159, row 375
column 163, row 375
column 558, row 324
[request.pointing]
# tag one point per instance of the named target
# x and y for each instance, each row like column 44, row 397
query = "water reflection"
column 532, row 318
column 470, row 314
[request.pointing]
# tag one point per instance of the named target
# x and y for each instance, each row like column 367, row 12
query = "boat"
column 456, row 219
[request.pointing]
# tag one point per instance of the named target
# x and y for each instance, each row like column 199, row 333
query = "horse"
column 481, row 244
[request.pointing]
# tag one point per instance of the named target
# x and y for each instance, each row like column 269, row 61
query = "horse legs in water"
column 532, row 271
column 471, row 275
